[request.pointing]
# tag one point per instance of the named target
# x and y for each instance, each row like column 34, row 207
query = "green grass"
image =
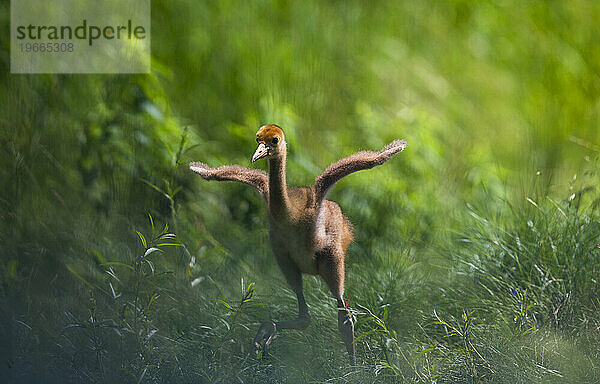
column 514, row 302
column 476, row 256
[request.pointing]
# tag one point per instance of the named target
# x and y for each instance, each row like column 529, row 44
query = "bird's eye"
column 275, row 140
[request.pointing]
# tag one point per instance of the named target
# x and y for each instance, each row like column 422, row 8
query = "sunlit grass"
column 476, row 256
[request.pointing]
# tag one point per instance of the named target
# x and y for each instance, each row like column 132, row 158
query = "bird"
column 308, row 234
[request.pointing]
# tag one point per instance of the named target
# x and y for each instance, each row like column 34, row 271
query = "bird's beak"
column 261, row 152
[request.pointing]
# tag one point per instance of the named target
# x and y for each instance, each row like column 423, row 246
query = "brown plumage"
column 308, row 234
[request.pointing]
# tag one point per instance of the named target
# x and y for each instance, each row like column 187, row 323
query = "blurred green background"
column 476, row 256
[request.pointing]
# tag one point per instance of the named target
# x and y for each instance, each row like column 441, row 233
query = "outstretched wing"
column 354, row 163
column 254, row 177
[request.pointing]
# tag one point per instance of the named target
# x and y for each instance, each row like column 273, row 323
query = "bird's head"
column 271, row 142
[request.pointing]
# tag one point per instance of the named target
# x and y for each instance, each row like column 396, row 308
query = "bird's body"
column 308, row 234
column 308, row 230
column 294, row 234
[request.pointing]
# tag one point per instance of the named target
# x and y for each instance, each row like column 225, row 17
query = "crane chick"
column 307, row 233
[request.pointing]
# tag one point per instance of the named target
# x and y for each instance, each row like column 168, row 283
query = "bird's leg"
column 331, row 268
column 268, row 330
column 303, row 319
column 346, row 326
column 265, row 335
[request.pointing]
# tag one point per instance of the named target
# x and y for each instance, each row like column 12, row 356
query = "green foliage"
column 523, row 292
column 476, row 256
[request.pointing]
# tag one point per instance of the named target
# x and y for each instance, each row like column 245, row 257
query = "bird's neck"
column 278, row 197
